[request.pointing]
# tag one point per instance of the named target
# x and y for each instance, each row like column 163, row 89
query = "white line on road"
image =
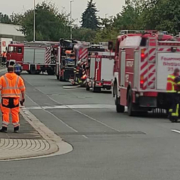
column 64, row 123
column 82, row 106
column 95, row 120
column 83, row 113
column 31, row 100
column 176, row 131
column 58, row 119
column 78, row 111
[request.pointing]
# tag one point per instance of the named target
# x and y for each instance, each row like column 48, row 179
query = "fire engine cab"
column 143, row 60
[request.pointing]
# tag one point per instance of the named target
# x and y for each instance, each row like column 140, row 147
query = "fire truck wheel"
column 96, row 89
column 60, row 78
column 119, row 108
column 37, row 72
column 32, row 70
column 50, row 72
column 130, row 104
column 87, row 87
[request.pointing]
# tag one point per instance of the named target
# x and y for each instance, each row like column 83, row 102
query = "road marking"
column 176, row 131
column 31, row 99
column 96, row 120
column 55, row 117
column 64, row 123
column 82, row 106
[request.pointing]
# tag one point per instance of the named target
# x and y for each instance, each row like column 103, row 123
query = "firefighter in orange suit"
column 12, row 89
column 173, row 96
column 4, row 58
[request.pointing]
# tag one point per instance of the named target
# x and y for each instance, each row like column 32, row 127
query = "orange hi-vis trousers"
column 10, row 105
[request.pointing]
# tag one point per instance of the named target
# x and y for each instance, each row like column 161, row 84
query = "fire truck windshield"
column 14, row 49
column 11, row 49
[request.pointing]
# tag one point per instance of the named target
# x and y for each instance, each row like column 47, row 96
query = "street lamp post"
column 71, row 36
column 34, row 21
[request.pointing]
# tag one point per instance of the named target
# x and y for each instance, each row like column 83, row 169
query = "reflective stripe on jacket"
column 11, row 87
column 171, row 85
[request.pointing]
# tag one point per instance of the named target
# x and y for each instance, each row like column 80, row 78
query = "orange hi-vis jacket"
column 171, row 84
column 11, row 85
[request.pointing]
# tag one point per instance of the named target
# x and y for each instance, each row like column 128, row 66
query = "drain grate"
column 104, row 133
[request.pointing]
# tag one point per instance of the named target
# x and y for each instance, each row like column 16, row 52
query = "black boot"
column 4, row 130
column 16, row 129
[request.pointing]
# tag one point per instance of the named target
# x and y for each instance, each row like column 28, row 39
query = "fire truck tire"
column 87, row 87
column 37, row 72
column 119, row 108
column 32, row 70
column 50, row 72
column 96, row 89
column 60, row 78
column 130, row 104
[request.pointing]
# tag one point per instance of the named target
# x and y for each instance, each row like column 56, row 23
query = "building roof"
column 10, row 30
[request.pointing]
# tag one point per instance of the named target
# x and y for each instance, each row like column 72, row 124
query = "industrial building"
column 11, row 31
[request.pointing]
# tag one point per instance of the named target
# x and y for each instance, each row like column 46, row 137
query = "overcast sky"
column 105, row 7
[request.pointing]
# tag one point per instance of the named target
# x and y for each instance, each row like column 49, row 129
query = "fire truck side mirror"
column 110, row 45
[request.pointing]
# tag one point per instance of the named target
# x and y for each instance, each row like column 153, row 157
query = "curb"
column 57, row 145
column 53, row 144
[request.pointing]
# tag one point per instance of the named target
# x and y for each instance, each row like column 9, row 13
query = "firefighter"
column 172, row 96
column 177, row 81
column 17, row 67
column 4, row 58
column 12, row 88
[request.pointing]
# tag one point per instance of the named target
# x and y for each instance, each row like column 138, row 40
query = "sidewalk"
column 33, row 140
column 26, row 132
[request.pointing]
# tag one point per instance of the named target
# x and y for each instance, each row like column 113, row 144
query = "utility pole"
column 34, row 21
column 71, row 36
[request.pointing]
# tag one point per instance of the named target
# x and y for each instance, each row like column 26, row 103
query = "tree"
column 50, row 25
column 162, row 15
column 84, row 34
column 89, row 17
column 129, row 18
column 4, row 18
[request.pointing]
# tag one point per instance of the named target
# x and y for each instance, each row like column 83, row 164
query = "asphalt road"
column 107, row 145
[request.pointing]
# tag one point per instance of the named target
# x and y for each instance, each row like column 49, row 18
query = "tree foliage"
column 84, row 34
column 136, row 14
column 4, row 18
column 89, row 17
column 50, row 25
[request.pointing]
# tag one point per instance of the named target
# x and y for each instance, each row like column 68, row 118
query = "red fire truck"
column 100, row 68
column 34, row 57
column 143, row 61
column 65, row 63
